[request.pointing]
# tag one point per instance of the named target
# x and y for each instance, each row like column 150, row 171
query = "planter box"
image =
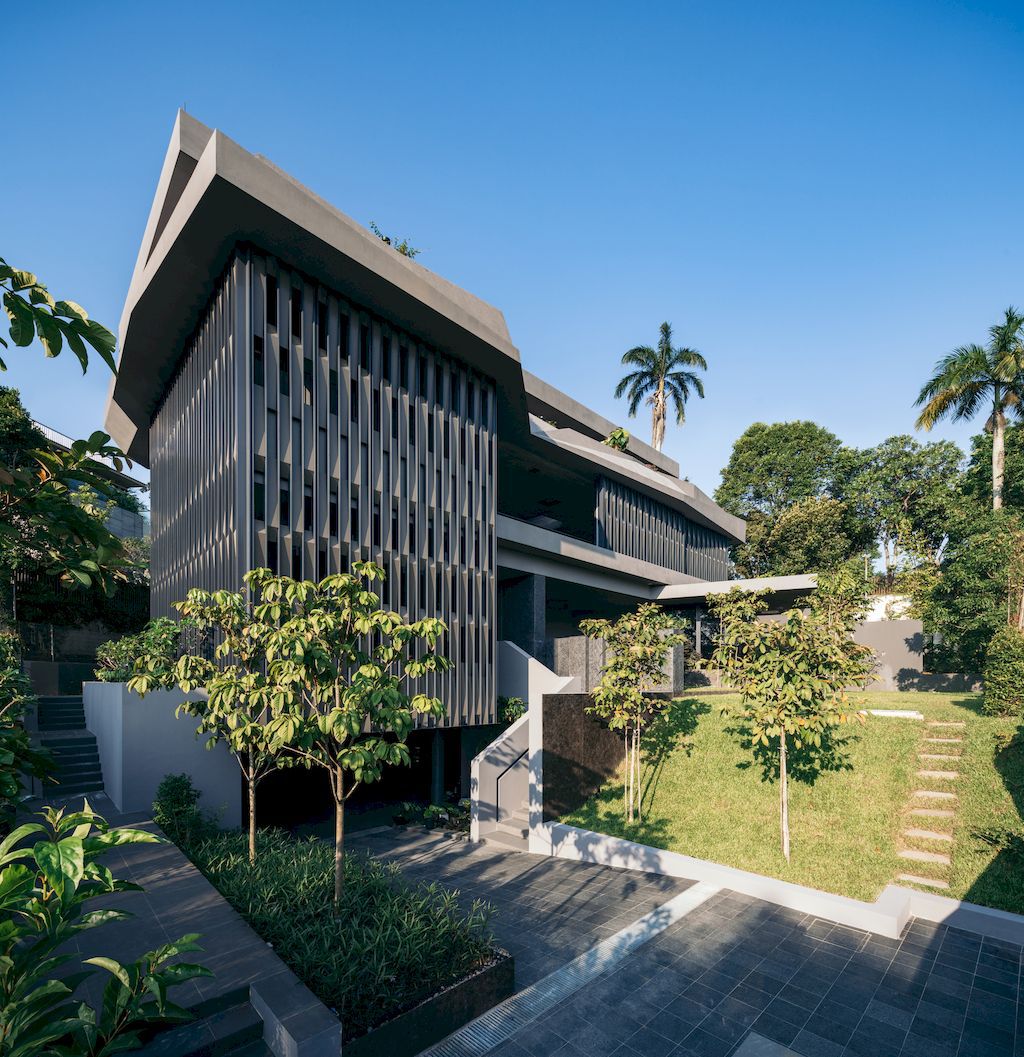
column 436, row 1017
column 140, row 739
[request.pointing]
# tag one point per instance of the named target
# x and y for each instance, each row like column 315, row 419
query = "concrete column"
column 524, row 603
column 437, row 768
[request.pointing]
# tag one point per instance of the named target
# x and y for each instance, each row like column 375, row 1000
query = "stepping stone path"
column 941, row 747
column 925, row 882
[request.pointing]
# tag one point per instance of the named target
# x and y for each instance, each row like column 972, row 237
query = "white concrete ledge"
column 886, row 916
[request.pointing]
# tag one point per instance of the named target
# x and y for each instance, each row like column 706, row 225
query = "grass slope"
column 707, row 798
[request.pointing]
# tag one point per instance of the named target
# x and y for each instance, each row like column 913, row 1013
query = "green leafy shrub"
column 1004, row 673
column 17, row 756
column 159, row 639
column 512, row 708
column 392, row 945
column 176, row 810
column 50, row 876
column 448, row 816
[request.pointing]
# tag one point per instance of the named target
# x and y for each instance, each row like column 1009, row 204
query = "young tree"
column 242, row 706
column 344, row 671
column 976, row 377
column 662, row 374
column 637, row 646
column 792, row 674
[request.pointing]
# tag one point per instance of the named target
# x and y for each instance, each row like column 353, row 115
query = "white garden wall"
column 141, row 739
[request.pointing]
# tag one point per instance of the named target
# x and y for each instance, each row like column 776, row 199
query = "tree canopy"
column 774, row 466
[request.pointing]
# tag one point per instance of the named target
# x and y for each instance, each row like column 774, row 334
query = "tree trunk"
column 784, row 796
column 998, row 458
column 658, row 418
column 338, row 788
column 639, row 786
column 252, row 817
column 629, row 777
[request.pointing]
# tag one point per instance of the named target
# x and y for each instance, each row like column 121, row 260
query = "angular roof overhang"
column 212, row 196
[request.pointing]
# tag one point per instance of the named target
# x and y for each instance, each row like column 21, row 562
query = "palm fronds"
column 661, row 374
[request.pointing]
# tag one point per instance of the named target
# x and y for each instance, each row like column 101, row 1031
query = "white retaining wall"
column 140, row 740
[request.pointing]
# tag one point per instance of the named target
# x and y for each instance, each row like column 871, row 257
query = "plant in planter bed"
column 392, row 945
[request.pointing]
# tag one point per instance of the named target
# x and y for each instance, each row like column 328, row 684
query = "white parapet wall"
column 886, row 916
column 140, row 739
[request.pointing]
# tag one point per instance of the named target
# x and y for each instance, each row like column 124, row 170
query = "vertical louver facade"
column 303, row 433
column 633, row 524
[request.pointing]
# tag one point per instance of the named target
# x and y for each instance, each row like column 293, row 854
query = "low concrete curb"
column 295, row 1022
column 887, row 916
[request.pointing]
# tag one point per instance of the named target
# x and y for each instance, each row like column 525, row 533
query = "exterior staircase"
column 512, row 832
column 62, row 730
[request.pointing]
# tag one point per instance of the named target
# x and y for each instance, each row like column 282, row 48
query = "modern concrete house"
column 305, row 396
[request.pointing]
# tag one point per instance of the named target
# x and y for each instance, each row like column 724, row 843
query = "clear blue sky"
column 823, row 198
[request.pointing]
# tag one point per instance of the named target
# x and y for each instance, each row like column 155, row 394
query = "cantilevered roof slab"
column 214, row 195
column 796, row 585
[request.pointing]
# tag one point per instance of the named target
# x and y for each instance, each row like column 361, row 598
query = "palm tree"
column 976, row 376
column 661, row 375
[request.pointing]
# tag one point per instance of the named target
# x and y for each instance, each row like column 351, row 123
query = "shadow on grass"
column 804, row 763
column 1001, row 883
column 669, row 733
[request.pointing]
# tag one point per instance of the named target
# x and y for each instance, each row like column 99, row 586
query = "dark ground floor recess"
column 298, row 798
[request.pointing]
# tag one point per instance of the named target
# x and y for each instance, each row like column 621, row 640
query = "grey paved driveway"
column 546, row 911
column 733, row 966
column 737, row 965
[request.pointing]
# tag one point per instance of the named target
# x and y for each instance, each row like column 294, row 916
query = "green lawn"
column 707, row 799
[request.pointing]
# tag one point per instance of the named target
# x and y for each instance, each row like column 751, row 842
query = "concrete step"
column 60, row 699
column 938, row 723
column 936, row 756
column 939, row 858
column 518, row 829
column 932, row 812
column 944, row 741
column 61, row 724
column 72, row 788
column 933, row 794
column 72, row 738
column 927, row 834
column 945, row 776
column 234, row 1031
column 78, row 771
column 68, row 752
column 505, row 840
column 926, row 882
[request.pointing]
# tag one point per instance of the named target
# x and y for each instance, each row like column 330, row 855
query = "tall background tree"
column 789, row 480
column 977, row 480
column 662, row 375
column 908, row 493
column 973, row 378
